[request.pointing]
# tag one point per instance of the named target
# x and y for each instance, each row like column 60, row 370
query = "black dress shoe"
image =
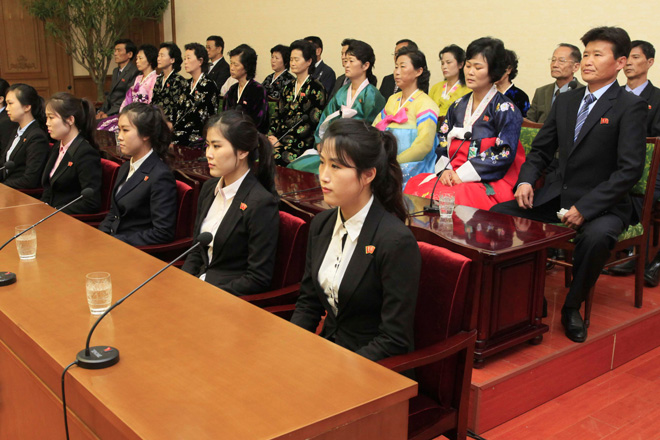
column 574, row 327
column 652, row 272
column 624, row 268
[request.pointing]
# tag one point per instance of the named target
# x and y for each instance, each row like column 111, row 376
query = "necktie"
column 582, row 114
column 555, row 96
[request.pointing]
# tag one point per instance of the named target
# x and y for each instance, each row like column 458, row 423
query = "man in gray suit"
column 564, row 63
column 122, row 77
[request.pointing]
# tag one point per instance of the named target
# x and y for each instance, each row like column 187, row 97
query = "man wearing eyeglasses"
column 564, row 63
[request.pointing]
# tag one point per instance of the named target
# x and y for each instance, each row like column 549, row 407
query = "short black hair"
column 129, row 45
column 459, row 54
column 346, row 41
column 308, row 52
column 151, row 53
column 175, row 53
column 512, row 62
column 219, row 42
column 200, row 52
column 284, row 51
column 647, row 48
column 4, row 86
column 248, row 58
column 621, row 45
column 575, row 52
column 316, row 41
column 418, row 60
column 494, row 53
column 411, row 44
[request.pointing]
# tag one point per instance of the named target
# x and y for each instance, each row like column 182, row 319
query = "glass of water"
column 99, row 292
column 446, row 205
column 26, row 244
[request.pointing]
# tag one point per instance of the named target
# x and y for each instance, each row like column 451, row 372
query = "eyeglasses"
column 561, row 60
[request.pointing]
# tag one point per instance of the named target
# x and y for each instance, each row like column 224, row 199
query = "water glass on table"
column 99, row 292
column 26, row 244
column 446, row 205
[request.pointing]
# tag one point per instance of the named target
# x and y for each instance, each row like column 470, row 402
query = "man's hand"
column 573, row 218
column 450, row 178
column 525, row 196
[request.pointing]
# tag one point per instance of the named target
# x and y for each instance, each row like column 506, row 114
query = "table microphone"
column 573, row 84
column 7, row 278
column 431, row 208
column 102, row 356
column 298, row 122
column 9, row 165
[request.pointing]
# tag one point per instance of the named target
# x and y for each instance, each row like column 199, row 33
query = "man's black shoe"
column 652, row 272
column 574, row 327
column 624, row 268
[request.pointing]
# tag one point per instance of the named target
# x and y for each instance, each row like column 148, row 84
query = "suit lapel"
column 647, row 93
column 137, row 177
column 66, row 159
column 360, row 260
column 548, row 98
column 22, row 142
column 233, row 215
column 602, row 105
column 321, row 247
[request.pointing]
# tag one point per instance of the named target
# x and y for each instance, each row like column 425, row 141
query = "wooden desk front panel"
column 196, row 362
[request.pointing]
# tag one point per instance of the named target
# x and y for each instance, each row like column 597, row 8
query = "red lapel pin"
column 604, row 121
column 146, row 178
column 70, row 164
column 650, row 107
column 243, row 206
column 369, row 249
column 486, row 118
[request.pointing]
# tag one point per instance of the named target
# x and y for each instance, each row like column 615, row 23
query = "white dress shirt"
column 339, row 254
column 218, row 210
column 133, row 167
column 19, row 134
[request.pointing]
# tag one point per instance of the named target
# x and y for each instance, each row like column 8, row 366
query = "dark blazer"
column 378, row 292
column 120, row 84
column 325, row 75
column 254, row 103
column 143, row 212
column 388, row 87
column 7, row 127
column 651, row 95
column 80, row 168
column 596, row 173
column 542, row 102
column 219, row 74
column 245, row 243
column 29, row 158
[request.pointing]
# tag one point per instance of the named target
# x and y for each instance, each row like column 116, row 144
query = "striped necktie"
column 582, row 114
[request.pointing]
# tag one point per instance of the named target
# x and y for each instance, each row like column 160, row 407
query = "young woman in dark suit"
column 27, row 146
column 238, row 207
column 143, row 209
column 363, row 263
column 6, row 124
column 74, row 162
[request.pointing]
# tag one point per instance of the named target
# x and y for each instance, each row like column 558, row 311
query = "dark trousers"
column 593, row 244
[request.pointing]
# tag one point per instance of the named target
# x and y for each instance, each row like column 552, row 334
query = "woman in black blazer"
column 27, row 146
column 6, row 124
column 238, row 207
column 363, row 263
column 143, row 209
column 74, row 162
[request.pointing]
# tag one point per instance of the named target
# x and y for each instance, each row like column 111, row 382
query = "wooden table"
column 196, row 362
column 508, row 270
column 11, row 199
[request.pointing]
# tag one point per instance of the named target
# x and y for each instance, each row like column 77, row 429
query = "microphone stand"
column 431, row 208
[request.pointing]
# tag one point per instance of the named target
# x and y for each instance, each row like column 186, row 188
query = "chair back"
column 291, row 251
column 440, row 313
column 186, row 210
column 645, row 186
column 109, row 170
column 528, row 132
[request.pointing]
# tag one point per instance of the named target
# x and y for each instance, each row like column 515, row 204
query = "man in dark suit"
column 122, row 77
column 218, row 67
column 7, row 127
column 388, row 87
column 600, row 136
column 564, row 63
column 323, row 72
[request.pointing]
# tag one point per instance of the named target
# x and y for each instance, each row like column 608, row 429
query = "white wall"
column 532, row 28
